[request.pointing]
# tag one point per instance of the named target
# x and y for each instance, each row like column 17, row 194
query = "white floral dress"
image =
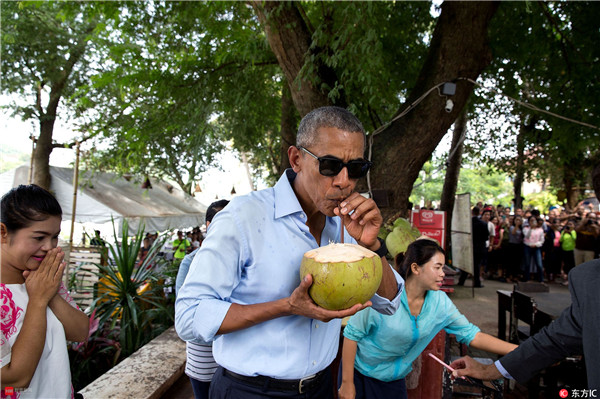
column 52, row 377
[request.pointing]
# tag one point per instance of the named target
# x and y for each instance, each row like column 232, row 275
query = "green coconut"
column 401, row 236
column 343, row 275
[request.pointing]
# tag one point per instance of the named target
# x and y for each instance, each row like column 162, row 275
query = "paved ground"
column 181, row 389
column 481, row 309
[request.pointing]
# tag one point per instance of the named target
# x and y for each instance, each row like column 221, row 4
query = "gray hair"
column 336, row 117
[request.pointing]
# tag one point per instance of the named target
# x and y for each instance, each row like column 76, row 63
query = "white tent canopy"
column 102, row 196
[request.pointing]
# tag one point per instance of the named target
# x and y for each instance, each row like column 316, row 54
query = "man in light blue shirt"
column 244, row 290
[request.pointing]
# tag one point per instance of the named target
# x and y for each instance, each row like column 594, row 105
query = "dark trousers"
column 552, row 260
column 372, row 388
column 535, row 254
column 200, row 388
column 514, row 260
column 224, row 386
column 568, row 261
column 477, row 258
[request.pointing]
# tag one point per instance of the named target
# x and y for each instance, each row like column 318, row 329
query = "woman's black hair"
column 420, row 252
column 24, row 205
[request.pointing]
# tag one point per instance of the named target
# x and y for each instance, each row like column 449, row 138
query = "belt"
column 301, row 386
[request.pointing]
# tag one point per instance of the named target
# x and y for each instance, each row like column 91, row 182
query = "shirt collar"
column 286, row 202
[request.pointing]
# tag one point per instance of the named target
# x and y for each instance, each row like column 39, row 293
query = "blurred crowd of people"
column 526, row 244
column 174, row 250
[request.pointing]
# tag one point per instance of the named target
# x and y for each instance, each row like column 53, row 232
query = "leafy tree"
column 316, row 72
column 44, row 60
column 545, row 54
column 541, row 201
column 182, row 79
column 237, row 85
column 485, row 184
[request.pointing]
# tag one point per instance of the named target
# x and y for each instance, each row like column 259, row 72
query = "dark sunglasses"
column 331, row 166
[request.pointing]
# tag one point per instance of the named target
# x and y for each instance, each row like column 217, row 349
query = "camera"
column 449, row 106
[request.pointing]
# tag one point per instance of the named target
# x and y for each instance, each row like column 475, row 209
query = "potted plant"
column 129, row 296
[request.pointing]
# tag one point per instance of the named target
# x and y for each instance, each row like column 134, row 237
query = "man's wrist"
column 497, row 367
column 382, row 249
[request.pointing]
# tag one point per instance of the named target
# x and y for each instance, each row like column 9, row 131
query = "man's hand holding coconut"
column 244, row 290
column 346, row 275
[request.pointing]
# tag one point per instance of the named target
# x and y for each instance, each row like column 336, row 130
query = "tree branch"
column 38, row 99
column 311, row 29
column 73, row 143
column 562, row 39
column 238, row 67
column 74, row 56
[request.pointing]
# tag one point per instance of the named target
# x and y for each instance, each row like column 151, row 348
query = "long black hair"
column 26, row 204
column 420, row 252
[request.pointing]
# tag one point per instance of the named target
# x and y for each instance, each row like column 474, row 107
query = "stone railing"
column 146, row 374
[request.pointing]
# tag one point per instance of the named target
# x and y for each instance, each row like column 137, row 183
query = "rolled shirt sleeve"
column 384, row 305
column 202, row 302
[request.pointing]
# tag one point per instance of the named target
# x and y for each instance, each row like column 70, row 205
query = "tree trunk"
column 41, row 157
column 288, row 128
column 459, row 49
column 526, row 129
column 453, row 170
column 569, row 180
column 290, row 38
column 520, row 169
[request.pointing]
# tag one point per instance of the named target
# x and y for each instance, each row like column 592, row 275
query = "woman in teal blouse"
column 379, row 350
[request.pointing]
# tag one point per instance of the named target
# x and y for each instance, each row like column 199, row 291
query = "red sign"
column 431, row 224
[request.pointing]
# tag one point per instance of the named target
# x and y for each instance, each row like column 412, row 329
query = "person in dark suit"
column 480, row 235
column 575, row 332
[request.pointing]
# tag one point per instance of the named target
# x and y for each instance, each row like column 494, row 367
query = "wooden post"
column 74, row 209
column 31, row 159
column 248, row 174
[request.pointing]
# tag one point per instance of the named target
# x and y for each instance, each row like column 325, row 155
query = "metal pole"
column 74, row 209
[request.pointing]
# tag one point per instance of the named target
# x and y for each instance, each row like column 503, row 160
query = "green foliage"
column 11, row 158
column 45, row 58
column 375, row 49
column 95, row 356
column 541, row 201
column 545, row 54
column 130, row 294
column 486, row 184
column 428, row 186
column 162, row 85
column 182, row 79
